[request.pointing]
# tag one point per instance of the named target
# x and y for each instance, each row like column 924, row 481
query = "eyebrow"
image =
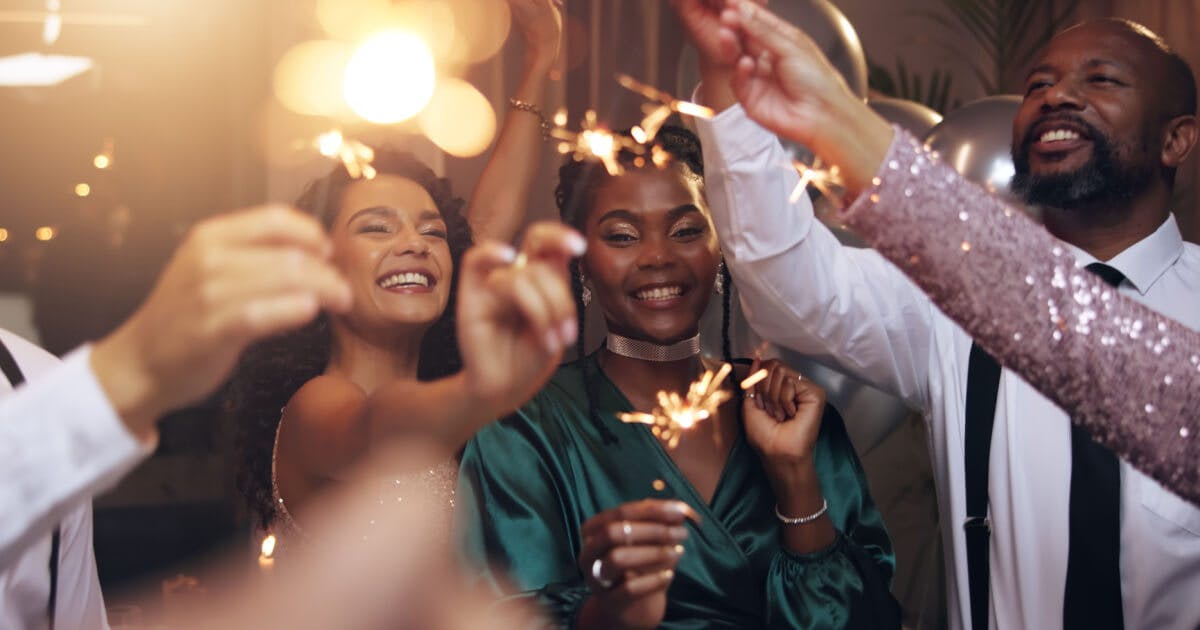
column 389, row 212
column 672, row 214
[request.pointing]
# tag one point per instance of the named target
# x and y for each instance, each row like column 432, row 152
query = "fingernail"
column 678, row 534
column 569, row 330
column 552, row 342
column 668, row 574
column 677, row 550
column 577, row 244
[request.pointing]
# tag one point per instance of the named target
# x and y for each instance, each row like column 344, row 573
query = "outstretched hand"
column 235, row 279
column 540, row 23
column 516, row 314
column 786, row 84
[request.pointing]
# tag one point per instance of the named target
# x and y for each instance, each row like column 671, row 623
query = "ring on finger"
column 627, row 529
column 598, row 574
column 520, row 261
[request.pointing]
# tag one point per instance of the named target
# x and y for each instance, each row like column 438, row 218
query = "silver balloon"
column 823, row 22
column 915, row 117
column 976, row 140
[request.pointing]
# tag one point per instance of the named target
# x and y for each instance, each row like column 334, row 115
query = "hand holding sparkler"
column 785, row 83
column 782, row 413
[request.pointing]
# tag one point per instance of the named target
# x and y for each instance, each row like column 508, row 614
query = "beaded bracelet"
column 801, row 520
column 523, row 106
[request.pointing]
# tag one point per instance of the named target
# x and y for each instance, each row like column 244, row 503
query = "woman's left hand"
column 782, row 415
column 540, row 23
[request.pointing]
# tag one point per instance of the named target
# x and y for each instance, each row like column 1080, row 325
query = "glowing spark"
column 354, row 155
column 268, row 546
column 594, row 142
column 827, row 181
column 754, row 379
column 675, row 414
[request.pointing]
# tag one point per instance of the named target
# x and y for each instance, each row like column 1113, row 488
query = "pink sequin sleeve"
column 1130, row 376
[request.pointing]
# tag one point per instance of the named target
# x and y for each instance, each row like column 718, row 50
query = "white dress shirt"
column 60, row 444
column 853, row 310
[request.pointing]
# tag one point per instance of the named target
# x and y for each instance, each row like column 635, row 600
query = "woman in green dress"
column 760, row 517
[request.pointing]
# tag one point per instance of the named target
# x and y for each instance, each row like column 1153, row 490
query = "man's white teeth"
column 408, row 279
column 660, row 293
column 1059, row 135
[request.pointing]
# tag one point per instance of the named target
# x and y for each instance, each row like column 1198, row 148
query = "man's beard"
column 1103, row 181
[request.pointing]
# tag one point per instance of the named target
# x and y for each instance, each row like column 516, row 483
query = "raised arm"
column 498, row 208
column 1131, row 376
column 799, row 286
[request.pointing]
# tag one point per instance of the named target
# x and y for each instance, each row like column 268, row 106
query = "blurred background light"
column 459, row 118
column 390, row 78
column 307, row 76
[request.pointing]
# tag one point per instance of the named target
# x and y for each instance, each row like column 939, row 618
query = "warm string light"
column 354, row 155
column 593, row 142
column 676, row 414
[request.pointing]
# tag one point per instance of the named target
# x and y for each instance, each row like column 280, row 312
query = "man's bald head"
column 1177, row 86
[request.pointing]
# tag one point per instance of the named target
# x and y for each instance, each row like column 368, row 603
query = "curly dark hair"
column 270, row 372
column 578, row 182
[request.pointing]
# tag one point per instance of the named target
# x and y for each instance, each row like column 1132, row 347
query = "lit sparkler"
column 354, row 155
column 676, row 414
column 595, row 142
column 827, row 180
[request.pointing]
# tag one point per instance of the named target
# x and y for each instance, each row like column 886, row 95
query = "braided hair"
column 578, row 183
column 270, row 372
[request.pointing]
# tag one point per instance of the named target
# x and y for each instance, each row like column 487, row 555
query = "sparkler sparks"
column 354, row 155
column 676, row 414
column 595, row 142
column 827, row 180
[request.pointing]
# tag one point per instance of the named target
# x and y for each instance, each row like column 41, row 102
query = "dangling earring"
column 719, row 282
column 585, row 293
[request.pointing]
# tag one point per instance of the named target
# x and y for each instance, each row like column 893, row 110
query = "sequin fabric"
column 437, row 483
column 1128, row 375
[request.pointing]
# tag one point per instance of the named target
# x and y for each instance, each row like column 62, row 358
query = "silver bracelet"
column 801, row 520
column 523, row 106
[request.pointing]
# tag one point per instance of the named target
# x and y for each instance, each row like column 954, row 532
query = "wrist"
column 860, row 142
column 127, row 381
column 795, row 482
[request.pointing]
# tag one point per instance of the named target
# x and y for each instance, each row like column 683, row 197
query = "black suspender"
column 983, row 385
column 12, row 371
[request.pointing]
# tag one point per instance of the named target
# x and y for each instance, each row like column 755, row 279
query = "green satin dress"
column 528, row 483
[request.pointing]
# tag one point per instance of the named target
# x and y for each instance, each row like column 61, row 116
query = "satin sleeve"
column 510, row 515
column 1127, row 374
column 847, row 585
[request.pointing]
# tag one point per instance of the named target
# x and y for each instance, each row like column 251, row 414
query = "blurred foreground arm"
column 78, row 428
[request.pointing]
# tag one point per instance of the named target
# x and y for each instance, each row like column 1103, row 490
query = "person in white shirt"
column 79, row 425
column 1096, row 143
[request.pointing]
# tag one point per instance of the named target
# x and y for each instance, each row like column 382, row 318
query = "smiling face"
column 652, row 254
column 1089, row 128
column 391, row 243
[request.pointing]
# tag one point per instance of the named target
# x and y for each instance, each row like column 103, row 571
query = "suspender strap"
column 983, row 384
column 9, row 366
column 13, row 373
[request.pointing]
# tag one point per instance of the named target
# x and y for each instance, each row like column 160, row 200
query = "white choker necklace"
column 647, row 351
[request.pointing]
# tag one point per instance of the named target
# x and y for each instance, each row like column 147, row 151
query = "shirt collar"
column 1144, row 262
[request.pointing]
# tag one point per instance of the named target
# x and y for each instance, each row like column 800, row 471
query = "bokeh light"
column 390, row 78
column 82, row 190
column 3, row 235
column 459, row 119
column 44, row 234
column 481, row 27
column 102, row 161
column 307, row 77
